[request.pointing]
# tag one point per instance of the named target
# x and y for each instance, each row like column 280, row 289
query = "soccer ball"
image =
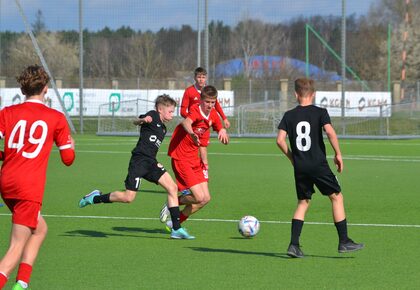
column 248, row 226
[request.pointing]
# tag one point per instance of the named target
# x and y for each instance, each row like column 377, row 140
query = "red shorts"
column 188, row 173
column 24, row 212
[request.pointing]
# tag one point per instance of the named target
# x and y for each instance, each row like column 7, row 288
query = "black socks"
column 175, row 213
column 342, row 231
column 296, row 230
column 104, row 198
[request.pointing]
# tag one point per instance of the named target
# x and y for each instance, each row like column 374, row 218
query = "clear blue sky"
column 154, row 14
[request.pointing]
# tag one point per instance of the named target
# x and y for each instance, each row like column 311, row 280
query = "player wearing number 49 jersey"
column 304, row 125
column 29, row 131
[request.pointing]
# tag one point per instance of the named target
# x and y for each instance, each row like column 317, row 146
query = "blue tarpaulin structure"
column 260, row 65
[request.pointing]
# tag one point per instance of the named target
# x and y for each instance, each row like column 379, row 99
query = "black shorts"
column 141, row 167
column 324, row 180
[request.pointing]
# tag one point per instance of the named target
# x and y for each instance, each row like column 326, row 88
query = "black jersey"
column 151, row 136
column 304, row 125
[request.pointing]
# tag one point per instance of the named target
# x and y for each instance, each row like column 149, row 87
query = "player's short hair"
column 304, row 86
column 209, row 92
column 200, row 71
column 164, row 100
column 32, row 80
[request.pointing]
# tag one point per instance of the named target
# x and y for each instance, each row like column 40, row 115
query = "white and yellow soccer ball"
column 248, row 226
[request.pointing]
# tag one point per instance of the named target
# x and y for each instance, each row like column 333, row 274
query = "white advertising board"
column 93, row 98
column 357, row 104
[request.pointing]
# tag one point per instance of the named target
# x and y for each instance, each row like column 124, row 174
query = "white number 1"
column 138, row 182
column 20, row 129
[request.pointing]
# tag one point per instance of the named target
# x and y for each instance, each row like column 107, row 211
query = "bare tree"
column 145, row 57
column 98, row 58
column 246, row 40
column 62, row 58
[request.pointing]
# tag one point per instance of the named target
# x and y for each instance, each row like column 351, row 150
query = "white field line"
column 134, row 141
column 216, row 220
column 347, row 157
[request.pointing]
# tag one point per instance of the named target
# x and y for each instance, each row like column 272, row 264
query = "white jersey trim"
column 204, row 115
column 195, row 86
column 35, row 101
column 67, row 146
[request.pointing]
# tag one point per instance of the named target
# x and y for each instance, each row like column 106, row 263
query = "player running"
column 304, row 125
column 193, row 132
column 192, row 96
column 143, row 164
column 29, row 131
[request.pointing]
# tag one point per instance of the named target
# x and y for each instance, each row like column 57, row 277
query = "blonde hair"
column 164, row 100
column 304, row 86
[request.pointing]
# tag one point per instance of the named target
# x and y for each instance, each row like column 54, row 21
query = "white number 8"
column 303, row 136
column 21, row 127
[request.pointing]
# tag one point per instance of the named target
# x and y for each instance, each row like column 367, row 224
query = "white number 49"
column 20, row 129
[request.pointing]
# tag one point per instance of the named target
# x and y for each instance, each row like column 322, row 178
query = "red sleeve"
column 193, row 114
column 67, row 156
column 62, row 139
column 216, row 124
column 220, row 110
column 2, row 123
column 185, row 103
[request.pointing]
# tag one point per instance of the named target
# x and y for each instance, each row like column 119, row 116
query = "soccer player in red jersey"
column 191, row 98
column 193, row 92
column 193, row 132
column 29, row 131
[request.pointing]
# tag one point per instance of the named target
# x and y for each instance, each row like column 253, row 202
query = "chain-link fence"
column 253, row 48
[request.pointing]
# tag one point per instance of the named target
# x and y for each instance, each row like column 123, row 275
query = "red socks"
column 3, row 280
column 24, row 272
column 182, row 218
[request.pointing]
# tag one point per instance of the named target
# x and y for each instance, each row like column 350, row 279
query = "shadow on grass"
column 92, row 234
column 153, row 191
column 274, row 255
column 140, row 230
column 231, row 251
column 98, row 234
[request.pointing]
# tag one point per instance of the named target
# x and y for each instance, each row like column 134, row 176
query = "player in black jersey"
column 304, row 125
column 143, row 164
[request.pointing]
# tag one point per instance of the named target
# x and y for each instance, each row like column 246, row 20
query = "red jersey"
column 29, row 130
column 182, row 146
column 191, row 97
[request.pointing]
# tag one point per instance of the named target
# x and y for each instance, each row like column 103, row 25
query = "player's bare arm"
column 226, row 123
column 332, row 137
column 282, row 144
column 141, row 121
column 223, row 136
column 187, row 125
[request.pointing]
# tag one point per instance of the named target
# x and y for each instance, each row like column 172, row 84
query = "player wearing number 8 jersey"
column 303, row 125
column 29, row 131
